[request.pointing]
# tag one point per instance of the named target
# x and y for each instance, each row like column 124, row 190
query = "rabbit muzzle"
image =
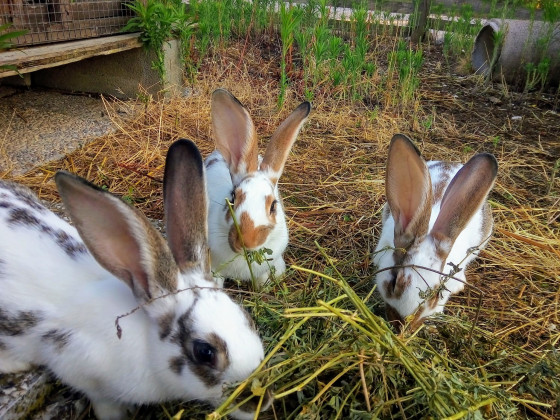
column 249, row 236
column 247, row 409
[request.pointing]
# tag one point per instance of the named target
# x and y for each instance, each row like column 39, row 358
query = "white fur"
column 78, row 296
column 227, row 263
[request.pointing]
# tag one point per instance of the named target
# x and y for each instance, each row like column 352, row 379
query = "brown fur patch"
column 18, row 323
column 57, row 338
column 24, row 194
column 439, row 187
column 416, row 322
column 253, row 236
column 402, row 283
column 165, row 268
column 433, row 301
column 240, row 197
column 394, row 317
column 165, row 324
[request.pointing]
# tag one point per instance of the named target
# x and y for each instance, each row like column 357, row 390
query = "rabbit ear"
column 186, row 206
column 234, row 133
column 463, row 197
column 119, row 237
column 409, row 190
column 282, row 140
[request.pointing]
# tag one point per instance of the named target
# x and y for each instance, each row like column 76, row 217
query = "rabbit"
column 63, row 288
column 250, row 182
column 435, row 220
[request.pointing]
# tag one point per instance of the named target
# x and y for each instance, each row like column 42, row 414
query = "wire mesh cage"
column 61, row 20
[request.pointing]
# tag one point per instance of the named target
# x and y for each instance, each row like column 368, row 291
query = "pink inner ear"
column 408, row 188
column 465, row 194
column 234, row 132
column 403, row 220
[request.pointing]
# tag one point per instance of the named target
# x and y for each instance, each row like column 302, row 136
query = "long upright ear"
column 409, row 190
column 463, row 198
column 186, row 206
column 281, row 142
column 119, row 237
column 234, row 133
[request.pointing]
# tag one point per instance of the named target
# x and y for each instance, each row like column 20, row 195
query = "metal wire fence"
column 50, row 21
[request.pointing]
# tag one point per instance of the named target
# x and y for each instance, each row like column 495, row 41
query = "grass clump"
column 158, row 21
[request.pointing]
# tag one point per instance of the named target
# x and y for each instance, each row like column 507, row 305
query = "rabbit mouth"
column 248, row 409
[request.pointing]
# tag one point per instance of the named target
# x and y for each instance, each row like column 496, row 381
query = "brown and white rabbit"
column 237, row 172
column 435, row 220
column 64, row 287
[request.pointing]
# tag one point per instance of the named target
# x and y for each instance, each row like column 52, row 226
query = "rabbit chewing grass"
column 63, row 288
column 435, row 220
column 237, row 172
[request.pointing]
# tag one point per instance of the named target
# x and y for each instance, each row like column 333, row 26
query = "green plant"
column 406, row 63
column 537, row 74
column 289, row 18
column 6, row 37
column 158, row 21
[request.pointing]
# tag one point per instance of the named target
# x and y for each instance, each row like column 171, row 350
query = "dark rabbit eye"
column 273, row 207
column 204, row 353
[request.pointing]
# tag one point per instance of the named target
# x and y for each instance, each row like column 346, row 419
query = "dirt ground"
column 37, row 126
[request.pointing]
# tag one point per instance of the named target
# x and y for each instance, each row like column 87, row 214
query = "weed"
column 289, row 19
column 158, row 21
column 406, row 63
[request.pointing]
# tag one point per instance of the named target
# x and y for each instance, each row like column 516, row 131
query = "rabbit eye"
column 273, row 207
column 204, row 353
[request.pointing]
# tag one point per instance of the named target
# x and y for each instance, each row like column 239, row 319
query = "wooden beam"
column 36, row 58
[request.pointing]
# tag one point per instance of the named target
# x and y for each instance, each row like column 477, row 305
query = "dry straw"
column 494, row 354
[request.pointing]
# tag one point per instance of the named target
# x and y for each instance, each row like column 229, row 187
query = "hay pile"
column 495, row 351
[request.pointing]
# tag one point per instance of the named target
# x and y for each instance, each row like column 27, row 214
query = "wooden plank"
column 42, row 57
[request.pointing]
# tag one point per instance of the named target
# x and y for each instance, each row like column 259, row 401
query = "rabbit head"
column 435, row 220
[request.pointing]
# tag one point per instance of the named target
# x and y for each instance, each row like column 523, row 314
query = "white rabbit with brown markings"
column 435, row 220
column 64, row 287
column 237, row 172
